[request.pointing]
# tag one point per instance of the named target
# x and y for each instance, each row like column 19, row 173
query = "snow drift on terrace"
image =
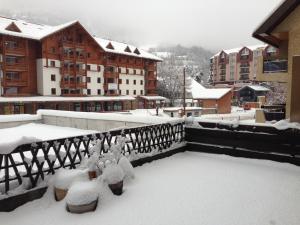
column 81, row 193
column 286, row 124
column 64, row 178
column 10, row 138
column 124, row 117
column 186, row 189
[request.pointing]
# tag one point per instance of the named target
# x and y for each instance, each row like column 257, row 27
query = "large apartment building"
column 239, row 65
column 67, row 61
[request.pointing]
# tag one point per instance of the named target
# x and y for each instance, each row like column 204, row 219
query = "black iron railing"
column 35, row 161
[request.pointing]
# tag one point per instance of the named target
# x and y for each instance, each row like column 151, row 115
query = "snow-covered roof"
column 39, row 31
column 237, row 50
column 154, row 98
column 119, row 48
column 65, row 99
column 256, row 88
column 200, row 92
column 30, row 30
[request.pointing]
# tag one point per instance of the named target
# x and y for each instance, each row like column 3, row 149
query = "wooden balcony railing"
column 16, row 67
column 109, row 74
column 14, row 83
column 18, row 51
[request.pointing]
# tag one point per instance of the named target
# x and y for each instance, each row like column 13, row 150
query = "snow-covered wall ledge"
column 7, row 121
column 99, row 121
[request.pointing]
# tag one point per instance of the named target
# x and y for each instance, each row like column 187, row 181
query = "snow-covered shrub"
column 113, row 174
column 126, row 166
column 82, row 193
column 65, row 177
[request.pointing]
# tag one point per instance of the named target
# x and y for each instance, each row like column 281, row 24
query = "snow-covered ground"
column 10, row 138
column 187, row 188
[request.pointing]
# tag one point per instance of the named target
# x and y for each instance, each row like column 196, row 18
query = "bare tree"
column 170, row 82
column 278, row 93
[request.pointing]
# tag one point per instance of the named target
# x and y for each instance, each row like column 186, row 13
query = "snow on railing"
column 33, row 162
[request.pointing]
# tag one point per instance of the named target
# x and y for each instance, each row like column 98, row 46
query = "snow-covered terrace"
column 188, row 188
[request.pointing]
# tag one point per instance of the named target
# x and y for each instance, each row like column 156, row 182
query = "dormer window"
column 13, row 27
column 127, row 49
column 136, row 51
column 110, row 46
column 245, row 51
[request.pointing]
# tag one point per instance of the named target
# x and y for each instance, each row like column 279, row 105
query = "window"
column 88, row 79
column 52, row 63
column 134, row 71
column 142, row 92
column 99, row 80
column 127, row 92
column 119, row 70
column 134, row 92
column 142, row 72
column 12, row 76
column 142, row 82
column 99, row 68
column 52, row 77
column 120, row 81
column 89, row 91
column 134, row 82
column 99, row 91
column 127, row 81
column 127, row 71
column 53, row 91
column 88, row 67
column 52, row 50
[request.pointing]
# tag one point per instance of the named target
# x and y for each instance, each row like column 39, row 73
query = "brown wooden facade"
column 74, row 47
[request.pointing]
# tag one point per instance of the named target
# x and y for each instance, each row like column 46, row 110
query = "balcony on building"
column 275, row 66
column 223, row 78
column 13, row 79
column 244, row 76
column 14, row 48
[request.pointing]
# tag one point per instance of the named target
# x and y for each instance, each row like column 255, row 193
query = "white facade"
column 132, row 80
column 132, row 84
column 96, row 80
column 44, row 74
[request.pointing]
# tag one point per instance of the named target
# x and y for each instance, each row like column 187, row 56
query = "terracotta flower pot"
column 60, row 194
column 117, row 188
column 92, row 175
column 82, row 208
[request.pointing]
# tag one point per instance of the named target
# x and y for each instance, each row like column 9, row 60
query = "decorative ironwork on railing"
column 35, row 161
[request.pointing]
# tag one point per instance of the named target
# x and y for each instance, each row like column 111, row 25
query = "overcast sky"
column 212, row 24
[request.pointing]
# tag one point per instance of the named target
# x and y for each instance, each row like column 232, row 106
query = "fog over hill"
column 195, row 58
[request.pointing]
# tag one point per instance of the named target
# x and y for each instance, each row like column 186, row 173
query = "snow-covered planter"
column 126, row 166
column 82, row 197
column 63, row 180
column 114, row 175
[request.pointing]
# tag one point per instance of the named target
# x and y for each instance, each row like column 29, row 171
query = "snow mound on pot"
column 113, row 174
column 82, row 193
column 126, row 166
column 65, row 177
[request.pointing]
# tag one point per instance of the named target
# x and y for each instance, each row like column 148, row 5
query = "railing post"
column 6, row 173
